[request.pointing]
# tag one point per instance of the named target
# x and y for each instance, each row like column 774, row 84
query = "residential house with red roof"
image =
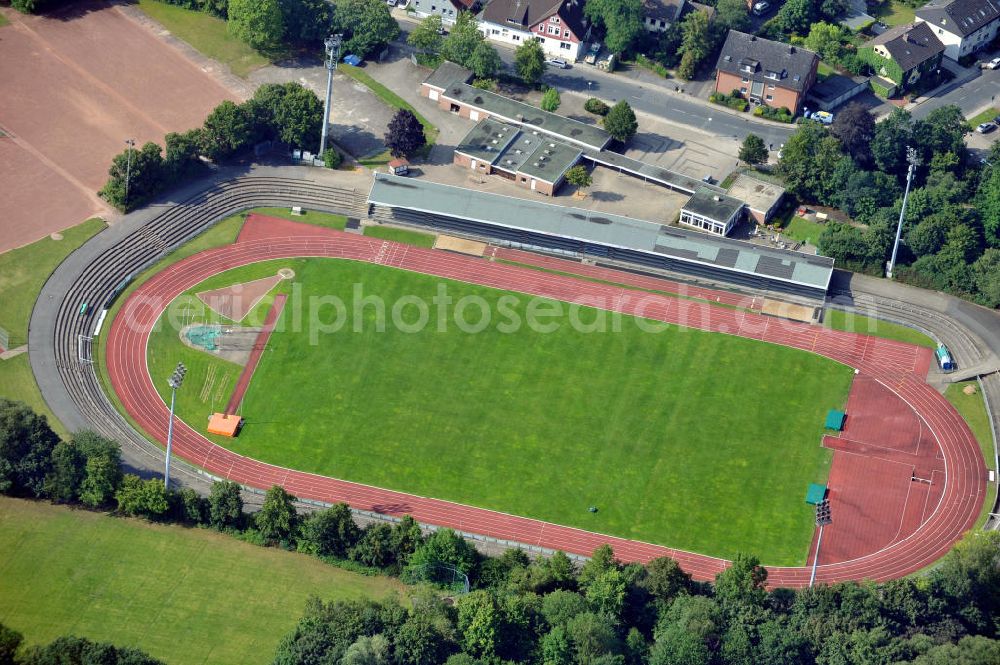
column 559, row 25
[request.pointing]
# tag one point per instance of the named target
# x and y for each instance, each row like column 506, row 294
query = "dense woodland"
column 951, row 236
column 549, row 611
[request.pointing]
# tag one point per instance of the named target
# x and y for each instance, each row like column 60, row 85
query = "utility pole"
column 175, row 381
column 332, row 45
column 128, row 168
column 914, row 160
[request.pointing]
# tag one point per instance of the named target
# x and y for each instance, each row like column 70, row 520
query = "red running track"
column 894, row 365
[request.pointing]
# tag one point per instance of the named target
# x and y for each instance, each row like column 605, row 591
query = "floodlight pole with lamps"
column 128, row 168
column 175, row 381
column 914, row 160
column 332, row 45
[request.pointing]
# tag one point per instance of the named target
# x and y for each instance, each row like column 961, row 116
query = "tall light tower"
column 332, row 45
column 914, row 160
column 175, row 381
column 128, row 168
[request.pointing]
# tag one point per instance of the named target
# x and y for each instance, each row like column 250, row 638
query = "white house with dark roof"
column 559, row 25
column 963, row 26
column 658, row 15
column 448, row 9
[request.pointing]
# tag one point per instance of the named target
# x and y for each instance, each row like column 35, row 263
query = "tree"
column 10, row 641
column 888, row 146
column 443, row 551
column 138, row 497
column 579, row 176
column 550, row 100
column 687, row 632
column 406, row 538
column 62, row 483
column 277, row 519
column 620, row 122
column 479, row 621
column 26, row 445
column 485, row 61
column 426, row 37
column 298, row 117
column 375, row 547
column 827, row 40
column 259, row 23
column 732, row 15
column 420, row 642
column 181, row 160
column 622, row 21
column 592, row 637
column 367, row 650
column 225, row 505
column 307, row 22
column 103, row 469
column 697, row 42
column 331, row 532
column 367, row 25
column 742, row 584
column 228, row 129
column 529, row 61
column 808, row 161
column 795, row 16
column 942, row 131
column 665, row 580
column 191, row 508
column 986, row 277
column 144, row 171
column 405, row 135
column 753, row 150
column 606, row 594
column 854, row 127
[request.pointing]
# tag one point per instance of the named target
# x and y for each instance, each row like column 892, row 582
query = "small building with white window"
column 963, row 26
column 558, row 25
column 712, row 212
column 447, row 9
column 658, row 15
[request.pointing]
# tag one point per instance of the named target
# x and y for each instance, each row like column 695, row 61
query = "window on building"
column 743, row 90
column 433, row 8
column 565, row 46
column 495, row 31
column 770, row 98
column 516, row 38
column 554, row 19
column 663, row 24
column 744, row 80
column 770, row 86
column 565, row 33
column 541, row 40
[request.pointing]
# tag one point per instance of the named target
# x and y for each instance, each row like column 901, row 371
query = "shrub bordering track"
column 890, row 363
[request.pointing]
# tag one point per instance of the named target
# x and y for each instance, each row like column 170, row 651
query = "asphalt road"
column 661, row 101
column 971, row 97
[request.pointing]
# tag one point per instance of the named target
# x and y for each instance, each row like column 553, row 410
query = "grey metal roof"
column 448, row 73
column 960, row 17
column 487, row 140
column 909, row 45
column 836, row 85
column 658, row 174
column 757, row 194
column 713, row 205
column 600, row 228
column 519, row 113
column 761, row 59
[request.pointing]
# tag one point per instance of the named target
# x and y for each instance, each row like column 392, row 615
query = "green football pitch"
column 694, row 440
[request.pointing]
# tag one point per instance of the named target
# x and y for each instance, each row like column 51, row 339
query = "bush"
column 733, row 101
column 652, row 65
column 332, row 159
column 771, row 113
column 596, row 106
column 485, row 84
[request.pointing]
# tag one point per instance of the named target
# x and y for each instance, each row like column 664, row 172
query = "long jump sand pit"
column 76, row 84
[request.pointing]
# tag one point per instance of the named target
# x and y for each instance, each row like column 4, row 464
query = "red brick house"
column 764, row 71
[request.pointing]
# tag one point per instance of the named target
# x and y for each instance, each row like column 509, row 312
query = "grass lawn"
column 973, row 409
column 840, row 320
column 4, row 20
column 183, row 595
column 401, row 235
column 207, row 34
column 802, row 230
column 314, row 217
column 389, row 97
column 824, row 70
column 17, row 382
column 895, row 13
column 537, row 424
column 23, row 271
column 985, row 116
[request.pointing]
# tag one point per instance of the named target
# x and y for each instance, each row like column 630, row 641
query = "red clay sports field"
column 906, row 481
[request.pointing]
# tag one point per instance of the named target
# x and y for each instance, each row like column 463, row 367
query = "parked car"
column 992, row 64
column 823, row 116
column 591, row 57
column 558, row 63
column 760, row 7
column 985, row 127
column 997, row 120
column 391, row 3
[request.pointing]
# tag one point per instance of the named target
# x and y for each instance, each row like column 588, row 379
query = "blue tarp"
column 353, row 60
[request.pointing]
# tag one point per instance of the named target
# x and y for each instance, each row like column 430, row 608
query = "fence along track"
column 141, row 249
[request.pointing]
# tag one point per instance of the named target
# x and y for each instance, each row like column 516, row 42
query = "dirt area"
column 235, row 302
column 77, row 83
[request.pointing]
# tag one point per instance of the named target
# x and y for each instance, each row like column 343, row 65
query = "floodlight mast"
column 914, row 160
column 175, row 381
column 128, row 168
column 332, row 45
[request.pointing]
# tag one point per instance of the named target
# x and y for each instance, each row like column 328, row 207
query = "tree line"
column 285, row 112
column 951, row 234
column 546, row 610
column 67, row 651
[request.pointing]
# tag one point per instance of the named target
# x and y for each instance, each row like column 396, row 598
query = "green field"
column 23, row 271
column 700, row 441
column 802, row 230
column 973, row 409
column 184, row 595
column 207, row 34
column 840, row 320
column 400, row 235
